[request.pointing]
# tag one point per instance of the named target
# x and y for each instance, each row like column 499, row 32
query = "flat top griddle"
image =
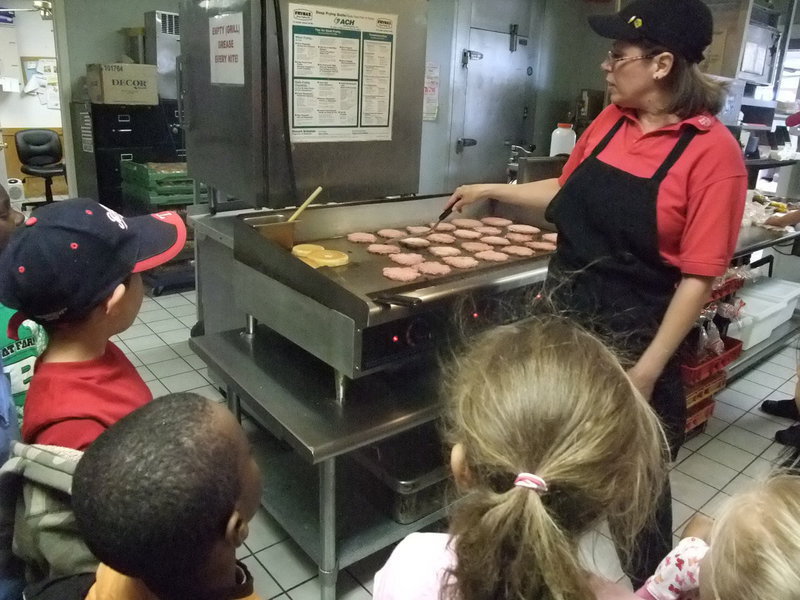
column 359, row 290
column 363, row 275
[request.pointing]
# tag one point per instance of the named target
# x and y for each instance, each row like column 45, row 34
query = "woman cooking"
column 648, row 208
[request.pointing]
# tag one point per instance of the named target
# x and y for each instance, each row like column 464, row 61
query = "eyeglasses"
column 613, row 58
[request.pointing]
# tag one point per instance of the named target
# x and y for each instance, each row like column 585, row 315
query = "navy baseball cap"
column 685, row 27
column 70, row 255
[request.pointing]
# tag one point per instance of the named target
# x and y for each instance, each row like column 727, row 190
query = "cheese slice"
column 329, row 258
column 310, row 262
column 305, row 249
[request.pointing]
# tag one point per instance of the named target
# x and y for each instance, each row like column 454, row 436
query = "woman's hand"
column 536, row 194
column 790, row 218
column 690, row 296
column 467, row 194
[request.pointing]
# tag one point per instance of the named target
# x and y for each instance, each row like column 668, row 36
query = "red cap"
column 75, row 252
column 793, row 120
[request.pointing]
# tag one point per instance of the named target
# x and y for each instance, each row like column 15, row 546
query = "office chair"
column 40, row 153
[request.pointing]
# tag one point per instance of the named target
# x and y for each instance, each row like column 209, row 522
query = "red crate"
column 694, row 373
column 727, row 288
column 708, row 387
column 701, row 414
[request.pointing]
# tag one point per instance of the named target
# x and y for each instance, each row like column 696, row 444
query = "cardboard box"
column 121, row 83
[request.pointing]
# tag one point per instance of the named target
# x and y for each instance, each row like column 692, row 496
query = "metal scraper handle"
column 398, row 300
column 446, row 213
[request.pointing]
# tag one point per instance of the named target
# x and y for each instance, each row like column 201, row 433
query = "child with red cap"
column 74, row 267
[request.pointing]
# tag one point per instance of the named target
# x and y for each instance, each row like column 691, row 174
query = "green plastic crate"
column 147, row 174
column 162, row 178
column 148, row 197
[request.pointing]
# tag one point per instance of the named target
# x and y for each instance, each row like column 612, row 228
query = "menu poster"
column 342, row 74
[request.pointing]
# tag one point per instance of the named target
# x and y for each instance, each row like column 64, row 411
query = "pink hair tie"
column 532, row 482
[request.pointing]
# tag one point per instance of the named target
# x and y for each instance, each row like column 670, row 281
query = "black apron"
column 607, row 272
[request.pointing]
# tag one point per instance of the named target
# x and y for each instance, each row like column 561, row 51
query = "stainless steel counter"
column 290, row 393
column 220, row 227
column 220, row 310
column 757, row 238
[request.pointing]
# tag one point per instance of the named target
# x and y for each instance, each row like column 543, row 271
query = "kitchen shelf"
column 754, row 165
column 290, row 395
column 767, row 163
column 758, row 103
column 271, row 375
column 292, row 499
column 172, row 276
column 761, row 352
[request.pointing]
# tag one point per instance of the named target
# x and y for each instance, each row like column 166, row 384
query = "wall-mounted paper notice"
column 430, row 103
column 226, row 46
column 10, row 84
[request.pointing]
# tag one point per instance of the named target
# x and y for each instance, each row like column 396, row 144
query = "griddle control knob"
column 419, row 332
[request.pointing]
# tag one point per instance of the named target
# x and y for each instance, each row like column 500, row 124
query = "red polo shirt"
column 71, row 403
column 701, row 200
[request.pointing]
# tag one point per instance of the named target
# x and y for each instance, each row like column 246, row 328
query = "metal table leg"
column 250, row 329
column 340, row 381
column 234, row 402
column 329, row 565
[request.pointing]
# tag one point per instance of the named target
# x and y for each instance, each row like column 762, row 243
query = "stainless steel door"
column 223, row 123
column 237, row 134
column 495, row 106
column 498, row 15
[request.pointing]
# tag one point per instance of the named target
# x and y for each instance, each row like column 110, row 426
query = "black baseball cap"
column 70, row 255
column 683, row 26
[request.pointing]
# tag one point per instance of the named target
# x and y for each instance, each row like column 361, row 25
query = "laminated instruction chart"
column 342, row 74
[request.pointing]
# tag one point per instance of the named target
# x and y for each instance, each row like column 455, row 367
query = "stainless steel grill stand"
column 250, row 328
column 273, row 381
column 328, row 567
column 234, row 403
column 340, row 380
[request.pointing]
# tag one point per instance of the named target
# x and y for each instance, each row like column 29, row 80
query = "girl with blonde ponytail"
column 550, row 438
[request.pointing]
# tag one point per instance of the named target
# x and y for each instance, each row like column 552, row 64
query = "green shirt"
column 19, row 356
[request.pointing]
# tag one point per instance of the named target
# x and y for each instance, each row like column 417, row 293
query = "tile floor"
column 736, row 447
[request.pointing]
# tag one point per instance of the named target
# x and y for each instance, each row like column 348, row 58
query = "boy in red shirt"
column 75, row 268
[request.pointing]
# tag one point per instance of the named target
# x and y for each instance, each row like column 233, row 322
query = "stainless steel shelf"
column 309, row 490
column 754, row 238
column 761, row 352
column 291, row 497
column 766, row 163
column 291, row 394
column 748, row 101
column 755, row 127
